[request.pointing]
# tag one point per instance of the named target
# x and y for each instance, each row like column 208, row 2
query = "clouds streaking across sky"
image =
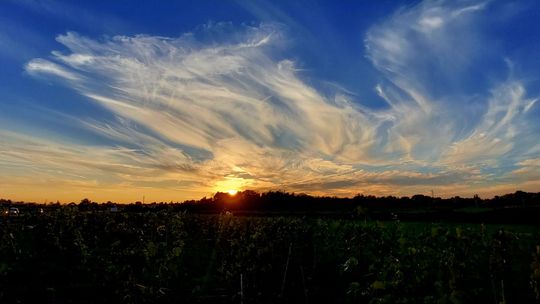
column 182, row 101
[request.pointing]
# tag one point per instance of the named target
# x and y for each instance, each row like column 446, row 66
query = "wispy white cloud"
column 41, row 66
column 197, row 96
column 416, row 50
column 499, row 129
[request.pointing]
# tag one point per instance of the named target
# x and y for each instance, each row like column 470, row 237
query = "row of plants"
column 85, row 257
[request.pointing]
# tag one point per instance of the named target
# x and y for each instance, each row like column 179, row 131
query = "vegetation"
column 139, row 255
column 515, row 208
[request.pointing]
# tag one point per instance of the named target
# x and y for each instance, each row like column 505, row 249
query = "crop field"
column 68, row 256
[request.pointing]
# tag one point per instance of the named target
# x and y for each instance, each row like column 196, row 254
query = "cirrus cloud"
column 199, row 114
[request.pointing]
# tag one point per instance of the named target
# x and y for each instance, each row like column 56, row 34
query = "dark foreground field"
column 68, row 256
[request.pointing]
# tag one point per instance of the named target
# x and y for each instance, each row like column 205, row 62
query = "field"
column 68, row 256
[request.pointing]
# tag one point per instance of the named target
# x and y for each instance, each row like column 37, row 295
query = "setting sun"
column 231, row 185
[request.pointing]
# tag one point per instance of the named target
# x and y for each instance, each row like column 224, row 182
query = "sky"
column 120, row 100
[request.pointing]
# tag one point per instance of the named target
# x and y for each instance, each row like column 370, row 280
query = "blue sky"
column 120, row 99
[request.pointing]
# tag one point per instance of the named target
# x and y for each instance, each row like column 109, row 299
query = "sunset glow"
column 264, row 97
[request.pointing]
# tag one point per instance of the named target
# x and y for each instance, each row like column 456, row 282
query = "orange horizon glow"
column 45, row 193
